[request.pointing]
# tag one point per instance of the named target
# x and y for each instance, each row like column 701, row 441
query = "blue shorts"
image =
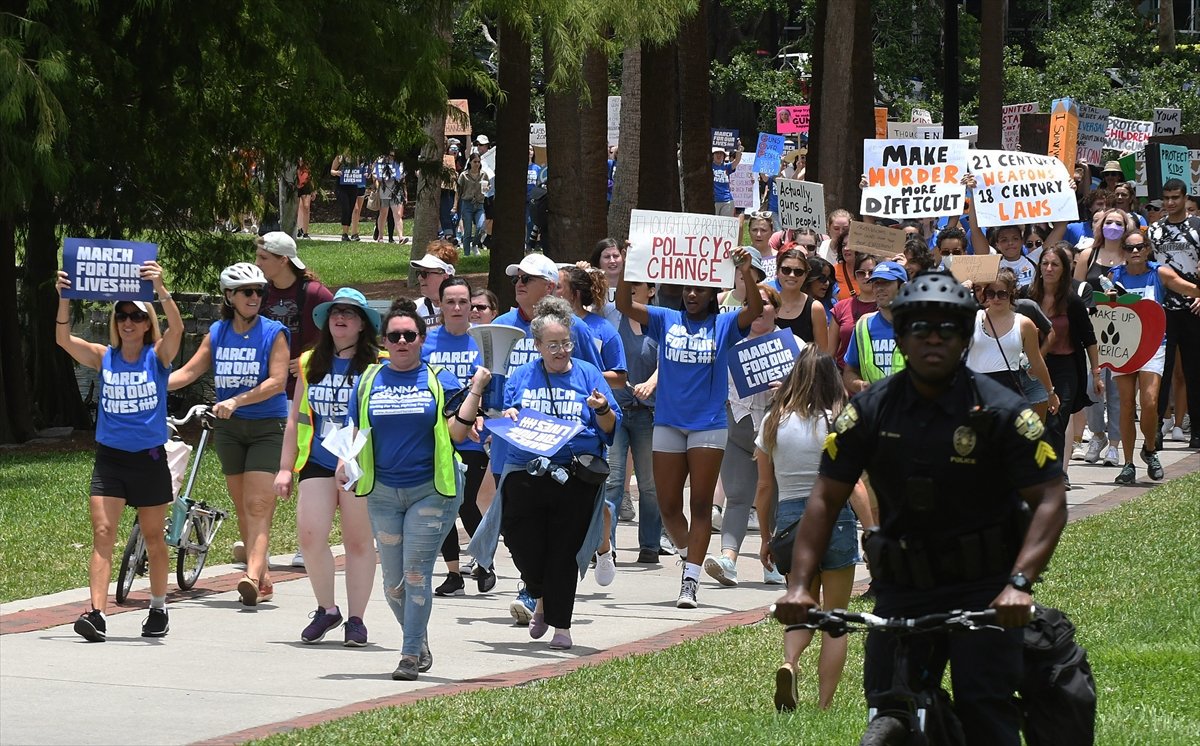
column 843, row 542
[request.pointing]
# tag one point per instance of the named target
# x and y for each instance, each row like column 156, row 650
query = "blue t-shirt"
column 693, row 383
column 242, row 362
column 132, row 415
column 1148, row 284
column 329, row 400
column 531, row 178
column 642, row 358
column 1077, row 231
column 721, row 191
column 457, row 353
column 608, row 342
column 883, row 344
column 561, row 395
column 402, row 413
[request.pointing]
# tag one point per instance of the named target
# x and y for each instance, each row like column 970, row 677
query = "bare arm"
column 168, row 346
column 820, row 326
column 287, row 454
column 1049, row 504
column 276, row 379
column 763, row 499
column 463, row 421
column 1173, row 281
column 754, row 304
column 87, row 354
column 1057, row 231
column 1082, row 262
column 979, row 242
column 1037, row 364
column 627, row 305
column 194, row 368
column 852, row 379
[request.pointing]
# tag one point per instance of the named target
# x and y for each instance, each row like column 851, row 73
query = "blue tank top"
column 241, row 362
column 329, row 400
column 133, row 401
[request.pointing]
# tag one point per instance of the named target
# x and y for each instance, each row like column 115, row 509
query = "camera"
column 541, row 466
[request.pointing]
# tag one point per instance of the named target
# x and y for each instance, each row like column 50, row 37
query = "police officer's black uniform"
column 946, row 473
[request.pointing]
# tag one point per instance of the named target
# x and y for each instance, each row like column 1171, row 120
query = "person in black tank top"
column 800, row 312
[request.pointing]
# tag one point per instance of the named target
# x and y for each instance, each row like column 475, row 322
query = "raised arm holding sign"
column 1014, row 187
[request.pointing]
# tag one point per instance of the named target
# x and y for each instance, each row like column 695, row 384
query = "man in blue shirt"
column 722, row 196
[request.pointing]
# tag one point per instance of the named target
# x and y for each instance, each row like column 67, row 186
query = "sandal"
column 247, row 588
column 266, row 592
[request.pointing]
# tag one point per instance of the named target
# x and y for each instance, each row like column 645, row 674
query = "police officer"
column 952, row 456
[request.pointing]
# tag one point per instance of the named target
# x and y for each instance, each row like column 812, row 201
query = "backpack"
column 1057, row 692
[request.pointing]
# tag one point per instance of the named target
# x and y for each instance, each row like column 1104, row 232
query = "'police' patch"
column 847, row 419
column 964, row 440
column 1029, row 425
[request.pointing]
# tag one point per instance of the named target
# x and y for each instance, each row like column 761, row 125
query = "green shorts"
column 248, row 445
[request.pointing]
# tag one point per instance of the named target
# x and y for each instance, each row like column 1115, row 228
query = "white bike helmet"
column 240, row 275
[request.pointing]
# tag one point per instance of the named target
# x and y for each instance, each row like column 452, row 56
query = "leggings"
column 347, row 194
column 1063, row 377
column 739, row 475
column 476, row 462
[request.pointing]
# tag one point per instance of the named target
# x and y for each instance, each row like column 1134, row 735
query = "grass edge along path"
column 1127, row 578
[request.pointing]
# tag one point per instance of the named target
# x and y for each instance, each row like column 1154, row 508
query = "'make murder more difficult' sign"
column 101, row 269
column 681, row 248
column 755, row 363
column 1013, row 187
column 913, row 178
column 535, row 432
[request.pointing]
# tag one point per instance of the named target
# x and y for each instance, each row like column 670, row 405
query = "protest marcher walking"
column 721, row 170
column 609, row 256
column 432, row 269
column 388, row 175
column 847, row 312
column 798, row 310
column 470, row 203
column 873, row 354
column 351, row 173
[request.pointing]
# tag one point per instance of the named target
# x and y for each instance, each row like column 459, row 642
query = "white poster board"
column 1013, row 188
column 614, row 119
column 1167, row 121
column 537, row 134
column 681, row 248
column 1093, row 128
column 801, row 204
column 913, row 178
column 744, row 185
column 1127, row 135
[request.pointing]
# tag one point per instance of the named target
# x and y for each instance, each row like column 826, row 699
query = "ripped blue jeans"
column 409, row 524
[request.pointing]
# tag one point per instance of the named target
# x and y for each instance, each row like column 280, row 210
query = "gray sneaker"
column 406, row 670
column 1128, row 475
column 626, row 513
column 1154, row 467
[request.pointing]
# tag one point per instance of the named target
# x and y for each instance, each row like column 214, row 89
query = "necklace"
column 347, row 347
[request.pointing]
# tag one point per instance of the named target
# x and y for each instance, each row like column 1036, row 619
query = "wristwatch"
column 1021, row 583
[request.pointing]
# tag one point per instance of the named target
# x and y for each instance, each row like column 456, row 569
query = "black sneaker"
column 648, row 557
column 687, row 594
column 322, row 624
column 345, row 237
column 485, row 578
column 453, row 586
column 156, row 623
column 91, row 626
column 1128, row 475
column 1153, row 466
column 425, row 658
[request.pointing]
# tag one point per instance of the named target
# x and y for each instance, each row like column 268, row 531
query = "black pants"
column 1183, row 334
column 1063, row 375
column 544, row 525
column 347, row 194
column 476, row 462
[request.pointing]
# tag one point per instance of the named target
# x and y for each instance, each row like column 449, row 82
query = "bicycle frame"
column 183, row 501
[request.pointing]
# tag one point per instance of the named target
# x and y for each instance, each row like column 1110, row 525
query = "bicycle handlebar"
column 203, row 411
column 840, row 621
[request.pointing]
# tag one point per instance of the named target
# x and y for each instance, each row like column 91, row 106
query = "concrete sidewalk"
column 229, row 673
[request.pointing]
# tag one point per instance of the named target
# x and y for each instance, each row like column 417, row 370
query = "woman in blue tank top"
column 248, row 355
column 131, row 428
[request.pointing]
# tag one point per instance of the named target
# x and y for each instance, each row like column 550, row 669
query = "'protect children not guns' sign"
column 913, row 178
column 104, row 269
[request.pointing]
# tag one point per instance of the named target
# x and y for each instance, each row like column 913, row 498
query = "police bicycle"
column 910, row 712
column 191, row 525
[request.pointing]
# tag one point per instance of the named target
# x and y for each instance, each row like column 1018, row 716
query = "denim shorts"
column 843, row 542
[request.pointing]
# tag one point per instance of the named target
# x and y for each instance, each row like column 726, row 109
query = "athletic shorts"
column 1154, row 365
column 488, row 203
column 142, row 478
column 313, row 470
column 669, row 439
column 248, row 445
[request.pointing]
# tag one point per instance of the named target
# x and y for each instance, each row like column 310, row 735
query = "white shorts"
column 1156, row 364
column 669, row 439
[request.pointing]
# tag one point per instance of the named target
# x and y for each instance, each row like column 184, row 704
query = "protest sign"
column 1127, row 135
column 791, row 119
column 534, row 432
column 537, row 134
column 980, row 269
column 1064, row 130
column 104, row 269
column 769, row 153
column 801, row 204
column 1011, row 126
column 1014, row 187
column 724, row 139
column 488, row 161
column 1194, row 157
column 1166, row 121
column 755, row 363
column 901, row 131
column 1165, row 162
column 876, row 240
column 458, row 123
column 922, row 116
column 881, row 123
column 681, row 248
column 744, row 184
column 968, row 132
column 1093, row 126
column 913, row 178
column 614, row 119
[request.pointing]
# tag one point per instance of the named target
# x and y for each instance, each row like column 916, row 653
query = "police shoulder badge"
column 1029, row 425
column 964, row 441
column 846, row 419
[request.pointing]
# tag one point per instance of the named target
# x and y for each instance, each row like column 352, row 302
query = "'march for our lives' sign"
column 103, row 269
column 756, row 363
column 534, row 432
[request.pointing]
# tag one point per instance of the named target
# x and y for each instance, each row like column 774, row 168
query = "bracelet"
column 68, row 321
column 468, row 423
column 476, row 393
column 602, row 412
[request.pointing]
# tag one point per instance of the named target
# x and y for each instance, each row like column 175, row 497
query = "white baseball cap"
column 281, row 244
column 482, row 140
column 536, row 265
column 429, row 261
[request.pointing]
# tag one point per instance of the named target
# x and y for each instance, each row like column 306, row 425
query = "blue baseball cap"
column 347, row 297
column 889, row 271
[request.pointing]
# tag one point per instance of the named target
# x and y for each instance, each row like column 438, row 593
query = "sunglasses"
column 956, row 252
column 480, row 307
column 523, row 279
column 1033, row 244
column 251, row 292
column 861, row 274
column 407, row 336
column 760, row 215
column 424, row 273
column 821, row 278
column 556, row 347
column 793, row 271
column 988, row 294
column 135, row 316
column 343, row 311
column 947, row 330
column 1134, row 247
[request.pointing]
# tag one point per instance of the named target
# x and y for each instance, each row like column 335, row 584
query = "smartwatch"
column 1021, row 583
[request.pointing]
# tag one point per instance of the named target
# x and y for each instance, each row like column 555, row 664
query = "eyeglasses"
column 525, row 279
column 861, row 274
column 988, row 294
column 480, row 307
column 1134, row 247
column 424, row 273
column 956, row 252
column 1034, row 244
column 251, row 292
column 556, row 347
column 947, row 330
column 760, row 215
column 136, row 317
column 407, row 336
column 793, row 271
column 343, row 311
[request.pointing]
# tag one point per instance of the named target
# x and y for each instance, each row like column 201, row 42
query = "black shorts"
column 313, row 470
column 487, row 207
column 305, row 190
column 142, row 478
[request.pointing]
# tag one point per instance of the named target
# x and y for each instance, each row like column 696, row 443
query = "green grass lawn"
column 1128, row 578
column 341, row 264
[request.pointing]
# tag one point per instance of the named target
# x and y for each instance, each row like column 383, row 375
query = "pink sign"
column 791, row 119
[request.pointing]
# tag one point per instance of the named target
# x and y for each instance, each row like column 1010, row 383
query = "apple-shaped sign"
column 1128, row 331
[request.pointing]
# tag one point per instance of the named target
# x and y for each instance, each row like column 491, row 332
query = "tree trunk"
column 1166, row 27
column 430, row 171
column 593, row 153
column 993, row 19
column 658, row 178
column 16, row 416
column 512, row 127
column 625, row 179
column 694, row 109
column 564, row 219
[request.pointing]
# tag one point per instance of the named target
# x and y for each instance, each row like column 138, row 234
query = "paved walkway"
column 226, row 674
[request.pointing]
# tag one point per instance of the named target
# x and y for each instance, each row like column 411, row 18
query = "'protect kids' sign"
column 103, row 269
column 535, row 432
column 756, row 363
column 681, row 248
column 913, row 178
column 1014, row 187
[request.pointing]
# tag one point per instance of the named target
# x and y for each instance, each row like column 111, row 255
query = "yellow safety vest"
column 866, row 354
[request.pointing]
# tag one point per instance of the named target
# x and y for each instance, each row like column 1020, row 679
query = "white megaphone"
column 496, row 343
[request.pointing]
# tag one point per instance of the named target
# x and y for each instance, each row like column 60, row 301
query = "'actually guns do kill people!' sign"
column 755, row 363
column 104, row 269
column 1014, row 187
column 913, row 178
column 533, row 431
column 801, row 204
column 681, row 248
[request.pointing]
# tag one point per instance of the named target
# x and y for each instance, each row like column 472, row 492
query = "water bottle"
column 1107, row 284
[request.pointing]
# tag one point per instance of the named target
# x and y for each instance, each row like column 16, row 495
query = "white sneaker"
column 1080, row 452
column 298, row 559
column 1167, row 426
column 1095, row 449
column 1087, row 434
column 1187, row 423
column 239, row 554
column 771, row 576
column 722, row 569
column 606, row 568
column 1177, row 434
column 752, row 521
column 717, row 516
column 1111, row 457
column 666, row 547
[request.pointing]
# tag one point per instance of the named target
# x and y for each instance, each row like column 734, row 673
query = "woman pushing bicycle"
column 131, row 428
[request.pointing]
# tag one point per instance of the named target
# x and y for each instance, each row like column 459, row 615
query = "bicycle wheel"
column 133, row 562
column 193, row 549
column 885, row 730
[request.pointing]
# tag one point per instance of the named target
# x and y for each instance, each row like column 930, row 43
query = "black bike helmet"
column 934, row 291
